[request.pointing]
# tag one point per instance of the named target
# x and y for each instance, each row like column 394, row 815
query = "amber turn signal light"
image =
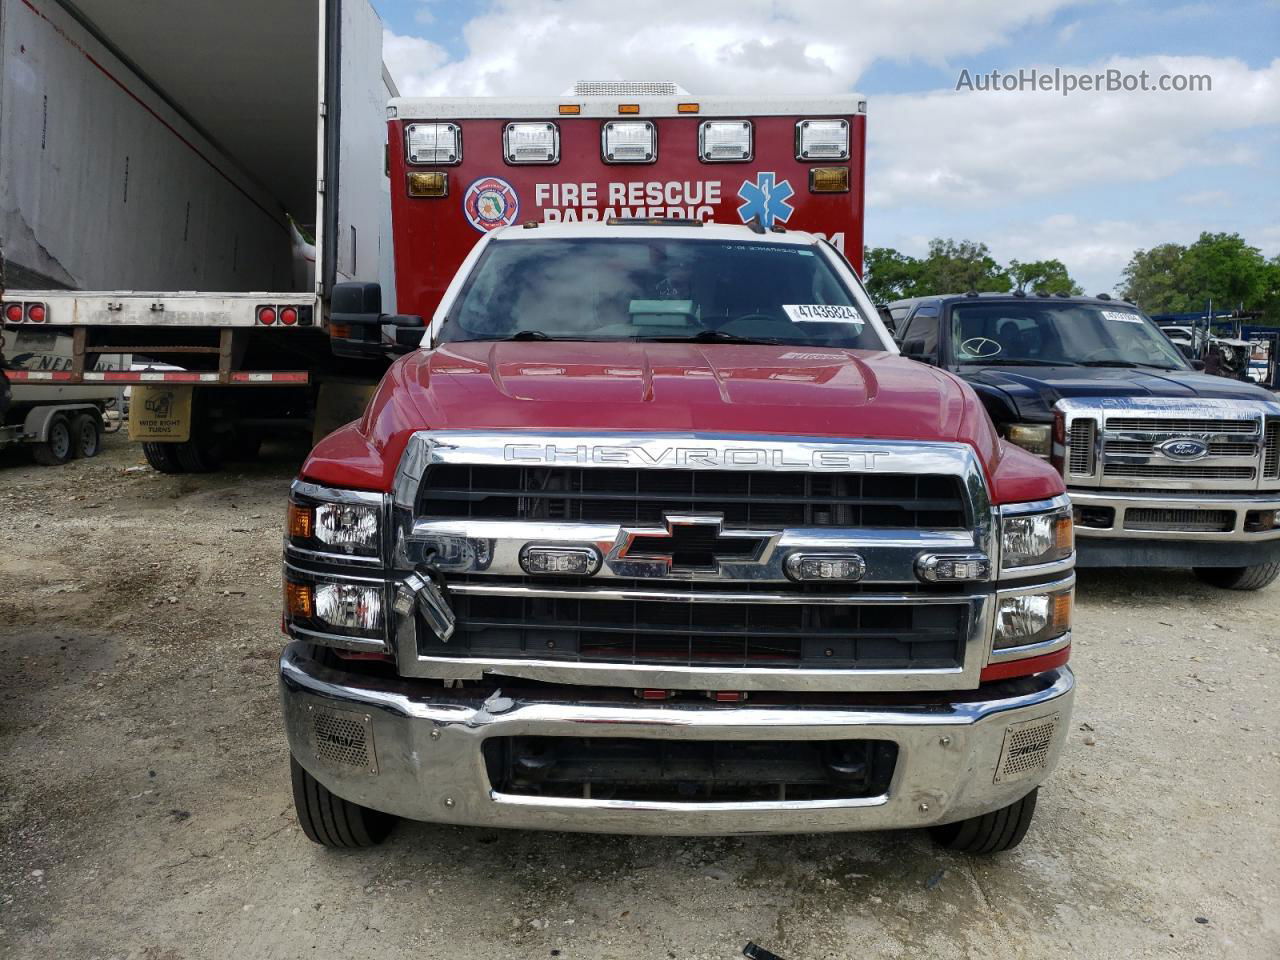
column 299, row 603
column 1064, row 537
column 433, row 183
column 301, row 522
column 829, row 180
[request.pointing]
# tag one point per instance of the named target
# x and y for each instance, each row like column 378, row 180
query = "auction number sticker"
column 1121, row 316
column 822, row 313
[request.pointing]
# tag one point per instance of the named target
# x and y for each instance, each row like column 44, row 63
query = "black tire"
column 993, row 832
column 57, row 448
column 1240, row 578
column 162, row 457
column 86, row 435
column 329, row 820
column 201, row 454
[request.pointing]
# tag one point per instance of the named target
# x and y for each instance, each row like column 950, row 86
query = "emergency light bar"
column 629, row 141
column 822, row 140
column 433, row 143
column 531, row 143
column 724, row 141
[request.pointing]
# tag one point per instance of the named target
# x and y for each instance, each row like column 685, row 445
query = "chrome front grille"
column 675, row 600
column 577, row 627
column 1081, row 456
column 1146, row 443
column 1271, row 450
column 748, row 498
column 1181, row 425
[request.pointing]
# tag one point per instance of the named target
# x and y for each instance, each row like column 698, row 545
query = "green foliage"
column 951, row 266
column 1047, row 276
column 890, row 275
column 1218, row 267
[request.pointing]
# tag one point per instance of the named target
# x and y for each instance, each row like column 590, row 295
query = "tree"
column 1151, row 279
column 1218, row 267
column 957, row 266
column 1048, row 276
column 890, row 275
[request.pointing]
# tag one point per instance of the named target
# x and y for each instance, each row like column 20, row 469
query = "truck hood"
column 705, row 388
column 669, row 388
column 1032, row 391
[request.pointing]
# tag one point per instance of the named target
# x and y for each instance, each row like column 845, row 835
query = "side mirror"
column 914, row 350
column 402, row 332
column 358, row 329
column 1197, row 363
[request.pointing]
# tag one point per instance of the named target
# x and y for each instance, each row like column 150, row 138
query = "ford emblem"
column 1184, row 449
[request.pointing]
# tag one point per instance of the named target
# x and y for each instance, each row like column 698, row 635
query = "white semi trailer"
column 185, row 182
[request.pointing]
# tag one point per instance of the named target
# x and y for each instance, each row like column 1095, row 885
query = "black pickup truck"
column 1166, row 466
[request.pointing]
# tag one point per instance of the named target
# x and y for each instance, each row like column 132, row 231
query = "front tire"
column 57, row 447
column 329, row 820
column 1239, row 578
column 993, row 832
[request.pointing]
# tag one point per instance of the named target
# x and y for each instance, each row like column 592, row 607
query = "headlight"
column 346, row 528
column 1035, row 438
column 1032, row 618
column 1034, row 538
column 329, row 605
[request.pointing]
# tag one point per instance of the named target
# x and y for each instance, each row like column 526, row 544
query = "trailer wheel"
column 329, row 820
column 57, row 446
column 1239, row 578
column 993, row 832
column 162, row 457
column 86, row 435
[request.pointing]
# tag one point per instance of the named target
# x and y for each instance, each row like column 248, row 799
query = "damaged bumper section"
column 596, row 760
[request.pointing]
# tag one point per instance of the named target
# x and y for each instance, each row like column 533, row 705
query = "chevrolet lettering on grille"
column 724, row 456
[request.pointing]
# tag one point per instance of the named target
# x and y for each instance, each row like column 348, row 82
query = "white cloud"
column 411, row 60
column 971, row 147
column 1204, row 198
column 540, row 47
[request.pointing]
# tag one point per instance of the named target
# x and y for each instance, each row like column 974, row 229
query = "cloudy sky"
column 1086, row 178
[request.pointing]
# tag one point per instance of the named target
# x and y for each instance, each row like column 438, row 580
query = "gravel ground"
column 145, row 811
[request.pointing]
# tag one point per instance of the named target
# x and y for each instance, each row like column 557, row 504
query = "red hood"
column 656, row 388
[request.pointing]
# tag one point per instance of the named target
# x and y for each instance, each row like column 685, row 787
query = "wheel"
column 162, row 457
column 1240, row 578
column 201, row 454
column 329, row 820
column 57, row 447
column 86, row 435
column 993, row 832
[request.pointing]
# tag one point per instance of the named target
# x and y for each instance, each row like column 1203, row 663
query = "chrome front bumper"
column 414, row 750
column 1240, row 505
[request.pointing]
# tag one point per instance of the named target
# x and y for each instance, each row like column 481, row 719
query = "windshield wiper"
column 1022, row 362
column 715, row 336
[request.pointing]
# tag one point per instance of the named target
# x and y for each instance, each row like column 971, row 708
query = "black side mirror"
column 360, row 330
column 914, row 350
column 1197, row 363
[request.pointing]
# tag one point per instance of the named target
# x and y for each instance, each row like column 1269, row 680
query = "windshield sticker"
column 822, row 313
column 1121, row 317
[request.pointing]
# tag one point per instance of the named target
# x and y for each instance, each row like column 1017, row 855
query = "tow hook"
column 431, row 598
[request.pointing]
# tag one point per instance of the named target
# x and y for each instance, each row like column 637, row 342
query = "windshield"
column 658, row 289
column 1062, row 334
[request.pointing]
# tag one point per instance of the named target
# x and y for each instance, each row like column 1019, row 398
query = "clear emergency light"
column 433, row 143
column 724, row 141
column 822, row 140
column 531, row 143
column 629, row 141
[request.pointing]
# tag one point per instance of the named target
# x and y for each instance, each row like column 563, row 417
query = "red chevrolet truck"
column 653, row 531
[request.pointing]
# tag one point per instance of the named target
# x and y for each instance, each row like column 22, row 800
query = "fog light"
column 816, row 567
column 829, row 180
column 430, row 184
column 954, row 569
column 563, row 561
column 349, row 606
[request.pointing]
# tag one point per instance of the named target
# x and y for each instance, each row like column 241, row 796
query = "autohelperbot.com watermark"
column 1067, row 82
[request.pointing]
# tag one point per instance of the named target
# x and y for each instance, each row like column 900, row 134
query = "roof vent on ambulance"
column 626, row 88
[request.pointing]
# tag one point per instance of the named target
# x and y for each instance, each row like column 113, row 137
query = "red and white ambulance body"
column 463, row 166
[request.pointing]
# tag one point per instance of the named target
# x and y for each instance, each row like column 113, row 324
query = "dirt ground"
column 145, row 809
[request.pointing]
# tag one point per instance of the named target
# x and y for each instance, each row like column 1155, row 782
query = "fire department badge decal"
column 489, row 203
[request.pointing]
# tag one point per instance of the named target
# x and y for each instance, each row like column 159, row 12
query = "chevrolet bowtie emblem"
column 691, row 542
